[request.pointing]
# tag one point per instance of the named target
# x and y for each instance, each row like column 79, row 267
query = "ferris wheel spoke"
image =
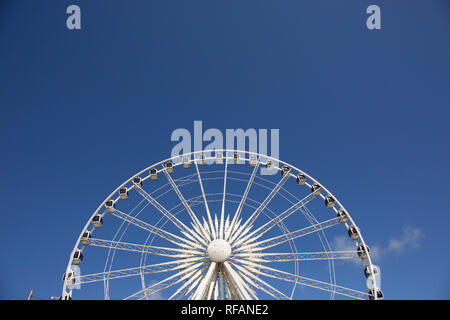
column 164, row 284
column 242, row 202
column 186, row 205
column 156, row 250
column 171, row 283
column 275, row 241
column 236, row 282
column 210, row 290
column 206, row 226
column 256, row 234
column 297, row 256
column 147, row 295
column 222, row 213
column 248, row 286
column 157, row 231
column 259, row 283
column 229, row 294
column 248, row 224
column 230, row 291
column 216, row 225
column 247, row 282
column 238, row 231
column 226, row 226
column 202, row 290
column 180, row 225
column 191, row 279
column 219, row 287
column 191, row 290
column 206, row 202
column 241, row 281
column 216, row 290
column 136, row 271
column 321, row 285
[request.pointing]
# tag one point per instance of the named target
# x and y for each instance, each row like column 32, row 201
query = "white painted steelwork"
column 222, row 255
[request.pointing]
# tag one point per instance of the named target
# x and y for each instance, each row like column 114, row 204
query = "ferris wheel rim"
column 192, row 159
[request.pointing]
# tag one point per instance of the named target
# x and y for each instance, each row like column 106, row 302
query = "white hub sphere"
column 219, row 250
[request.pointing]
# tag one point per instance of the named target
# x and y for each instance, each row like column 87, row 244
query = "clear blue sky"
column 364, row 112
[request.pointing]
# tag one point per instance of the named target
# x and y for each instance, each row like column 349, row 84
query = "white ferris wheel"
column 209, row 225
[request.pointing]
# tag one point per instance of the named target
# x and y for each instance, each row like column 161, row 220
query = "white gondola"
column 269, row 165
column 110, row 206
column 253, row 161
column 316, row 189
column 86, row 238
column 329, row 201
column 353, row 232
column 219, row 158
column 370, row 271
column 236, row 158
column 185, row 162
column 97, row 221
column 69, row 278
column 202, row 159
column 153, row 174
column 285, row 170
column 69, row 275
column 342, row 215
column 77, row 257
column 169, row 166
column 137, row 181
column 301, row 179
column 379, row 294
column 123, row 193
column 363, row 251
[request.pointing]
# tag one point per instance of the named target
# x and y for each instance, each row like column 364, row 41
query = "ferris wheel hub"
column 219, row 250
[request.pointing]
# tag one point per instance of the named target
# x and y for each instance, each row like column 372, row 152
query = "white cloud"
column 343, row 243
column 375, row 252
column 409, row 238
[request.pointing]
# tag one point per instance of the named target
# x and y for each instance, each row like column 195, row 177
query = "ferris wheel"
column 210, row 225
